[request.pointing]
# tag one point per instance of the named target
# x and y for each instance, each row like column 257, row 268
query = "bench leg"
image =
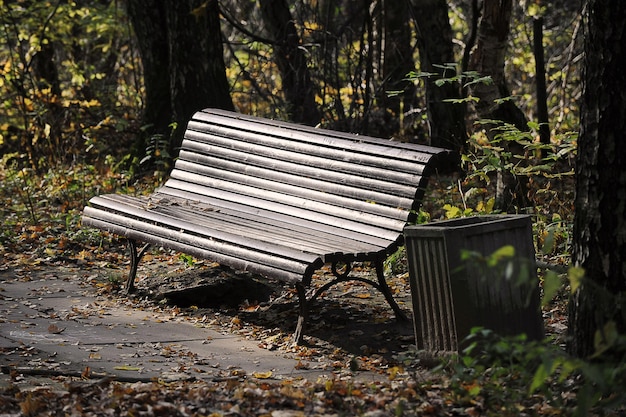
column 381, row 285
column 135, row 257
column 384, row 288
column 302, row 315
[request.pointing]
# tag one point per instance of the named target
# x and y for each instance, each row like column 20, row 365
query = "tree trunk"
column 292, row 62
column 489, row 55
column 446, row 119
column 148, row 20
column 600, row 219
column 197, row 72
column 183, row 62
column 487, row 58
column 397, row 58
column 541, row 88
column 46, row 75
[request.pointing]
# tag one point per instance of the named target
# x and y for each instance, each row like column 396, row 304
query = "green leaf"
column 452, row 212
column 422, row 74
column 474, row 390
column 487, row 80
column 469, row 255
column 575, row 275
column 507, row 251
column 460, row 100
column 551, row 285
column 548, row 242
column 605, row 338
column 539, row 379
column 394, row 93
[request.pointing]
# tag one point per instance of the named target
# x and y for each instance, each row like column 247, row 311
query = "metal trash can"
column 451, row 295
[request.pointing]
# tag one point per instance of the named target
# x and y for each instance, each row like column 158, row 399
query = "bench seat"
column 278, row 199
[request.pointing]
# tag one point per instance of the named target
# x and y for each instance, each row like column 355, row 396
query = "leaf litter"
column 249, row 318
column 351, row 330
column 348, row 333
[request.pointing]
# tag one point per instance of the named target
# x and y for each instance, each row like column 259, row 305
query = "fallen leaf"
column 127, row 368
column 393, row 372
column 54, row 329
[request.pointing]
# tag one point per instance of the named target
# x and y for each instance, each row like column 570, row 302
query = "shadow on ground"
column 350, row 316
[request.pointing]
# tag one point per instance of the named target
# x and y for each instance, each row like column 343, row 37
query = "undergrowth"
column 42, row 210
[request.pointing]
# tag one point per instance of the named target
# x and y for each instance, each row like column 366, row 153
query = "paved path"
column 54, row 323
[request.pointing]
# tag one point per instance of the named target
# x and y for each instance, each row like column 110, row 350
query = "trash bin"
column 452, row 293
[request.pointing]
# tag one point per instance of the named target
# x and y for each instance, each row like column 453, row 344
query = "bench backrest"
column 361, row 184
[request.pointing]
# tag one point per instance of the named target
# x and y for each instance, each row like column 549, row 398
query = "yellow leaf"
column 127, row 368
column 393, row 372
column 328, row 385
column 262, row 375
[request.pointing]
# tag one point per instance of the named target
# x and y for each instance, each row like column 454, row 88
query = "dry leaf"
column 127, row 368
column 54, row 329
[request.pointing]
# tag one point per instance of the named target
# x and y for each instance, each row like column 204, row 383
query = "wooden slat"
column 276, row 198
column 393, row 189
column 373, row 203
column 254, row 212
column 192, row 247
column 321, row 138
column 143, row 219
column 298, row 207
column 243, row 121
column 273, row 234
column 239, row 149
column 268, row 230
column 354, row 152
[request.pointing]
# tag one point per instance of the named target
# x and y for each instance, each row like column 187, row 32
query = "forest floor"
column 352, row 332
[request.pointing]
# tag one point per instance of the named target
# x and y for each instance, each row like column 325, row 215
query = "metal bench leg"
column 384, row 288
column 302, row 315
column 135, row 257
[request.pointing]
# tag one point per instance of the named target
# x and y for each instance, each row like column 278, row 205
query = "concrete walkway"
column 54, row 323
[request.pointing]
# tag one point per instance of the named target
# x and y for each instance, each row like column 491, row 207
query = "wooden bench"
column 278, row 199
